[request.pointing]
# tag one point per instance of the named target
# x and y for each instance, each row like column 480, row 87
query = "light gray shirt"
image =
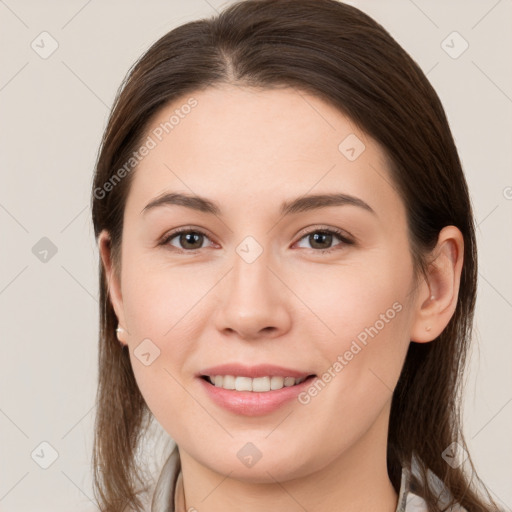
column 168, row 496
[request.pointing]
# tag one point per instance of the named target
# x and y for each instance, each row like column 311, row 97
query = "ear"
column 438, row 295
column 113, row 282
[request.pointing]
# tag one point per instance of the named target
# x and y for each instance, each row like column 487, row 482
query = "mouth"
column 258, row 396
column 254, row 390
column 257, row 385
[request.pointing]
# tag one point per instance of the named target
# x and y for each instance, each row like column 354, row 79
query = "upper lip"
column 260, row 370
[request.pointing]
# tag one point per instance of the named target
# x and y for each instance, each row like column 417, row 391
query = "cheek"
column 159, row 301
column 160, row 348
column 165, row 309
column 361, row 321
column 345, row 301
column 359, row 332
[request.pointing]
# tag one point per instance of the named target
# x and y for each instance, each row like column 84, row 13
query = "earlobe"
column 114, row 286
column 438, row 296
column 120, row 333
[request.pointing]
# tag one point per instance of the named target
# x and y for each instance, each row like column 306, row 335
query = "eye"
column 187, row 239
column 322, row 239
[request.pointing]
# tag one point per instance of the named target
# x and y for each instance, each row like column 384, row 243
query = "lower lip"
column 253, row 403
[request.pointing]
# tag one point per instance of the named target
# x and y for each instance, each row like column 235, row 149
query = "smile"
column 258, row 384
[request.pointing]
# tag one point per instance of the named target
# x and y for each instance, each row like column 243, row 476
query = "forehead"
column 246, row 147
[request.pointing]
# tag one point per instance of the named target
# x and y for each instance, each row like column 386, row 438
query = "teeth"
column 227, row 382
column 258, row 384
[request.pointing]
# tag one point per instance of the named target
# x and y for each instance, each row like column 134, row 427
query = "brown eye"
column 191, row 240
column 322, row 239
column 186, row 240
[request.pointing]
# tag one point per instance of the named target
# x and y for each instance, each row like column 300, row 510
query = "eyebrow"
column 299, row 205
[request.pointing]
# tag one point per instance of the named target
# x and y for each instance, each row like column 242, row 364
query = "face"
column 323, row 287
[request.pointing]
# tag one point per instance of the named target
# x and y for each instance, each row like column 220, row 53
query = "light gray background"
column 53, row 112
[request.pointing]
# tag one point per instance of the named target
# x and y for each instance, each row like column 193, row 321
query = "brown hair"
column 344, row 57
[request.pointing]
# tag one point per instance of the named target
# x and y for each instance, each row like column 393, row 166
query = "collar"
column 165, row 499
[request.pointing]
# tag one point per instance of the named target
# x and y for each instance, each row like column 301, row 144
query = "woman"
column 288, row 263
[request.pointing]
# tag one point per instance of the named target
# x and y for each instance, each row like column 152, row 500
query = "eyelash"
column 341, row 235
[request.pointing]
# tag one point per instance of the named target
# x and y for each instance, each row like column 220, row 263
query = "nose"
column 254, row 301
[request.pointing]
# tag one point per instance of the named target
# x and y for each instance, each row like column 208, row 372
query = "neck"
column 355, row 480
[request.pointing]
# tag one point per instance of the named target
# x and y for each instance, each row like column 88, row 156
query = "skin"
column 250, row 150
